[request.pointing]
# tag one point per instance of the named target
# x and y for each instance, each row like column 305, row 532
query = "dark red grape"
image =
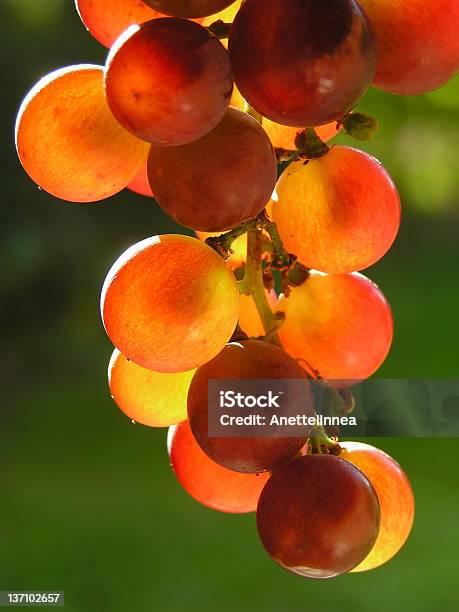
column 250, row 359
column 219, row 181
column 302, row 62
column 318, row 516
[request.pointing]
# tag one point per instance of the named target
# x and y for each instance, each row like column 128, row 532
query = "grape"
column 318, row 516
column 340, row 324
column 209, row 483
column 107, row 23
column 151, row 398
column 189, row 8
column 68, row 141
column 219, row 181
column 140, row 184
column 283, row 136
column 418, row 43
column 339, row 213
column 395, row 498
column 250, row 359
column 169, row 303
column 168, row 81
column 309, row 62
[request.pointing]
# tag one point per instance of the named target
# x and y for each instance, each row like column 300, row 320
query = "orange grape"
column 255, row 360
column 249, row 319
column 155, row 399
column 170, row 303
column 107, row 23
column 395, row 499
column 68, row 141
column 188, row 8
column 340, row 324
column 209, row 483
column 219, row 181
column 418, row 43
column 318, row 516
column 168, row 81
column 339, row 213
column 309, row 62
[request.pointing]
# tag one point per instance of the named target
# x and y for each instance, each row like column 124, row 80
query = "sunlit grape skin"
column 106, row 24
column 151, row 398
column 209, row 483
column 169, row 303
column 250, row 359
column 309, row 63
column 227, row 15
column 318, row 516
column 395, row 499
column 340, row 324
column 219, row 181
column 68, row 141
column 188, row 8
column 249, row 319
column 418, row 43
column 168, row 81
column 339, row 213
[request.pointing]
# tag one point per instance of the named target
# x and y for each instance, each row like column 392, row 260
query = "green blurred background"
column 89, row 504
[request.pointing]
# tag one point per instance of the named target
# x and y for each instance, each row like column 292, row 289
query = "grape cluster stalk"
column 222, row 110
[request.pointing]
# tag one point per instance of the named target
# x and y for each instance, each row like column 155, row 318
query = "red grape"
column 188, row 8
column 340, row 324
column 309, row 61
column 418, row 43
column 219, row 181
column 318, row 516
column 395, row 498
column 250, row 359
column 107, row 23
column 170, row 303
column 209, row 483
column 151, row 398
column 339, row 213
column 68, row 141
column 168, row 81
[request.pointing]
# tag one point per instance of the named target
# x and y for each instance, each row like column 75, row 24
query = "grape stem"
column 281, row 260
column 319, row 443
column 252, row 284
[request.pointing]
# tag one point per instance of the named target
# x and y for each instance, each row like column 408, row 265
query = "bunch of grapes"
column 222, row 110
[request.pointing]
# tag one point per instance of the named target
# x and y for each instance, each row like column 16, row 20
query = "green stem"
column 222, row 244
column 281, row 259
column 253, row 284
column 321, row 444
